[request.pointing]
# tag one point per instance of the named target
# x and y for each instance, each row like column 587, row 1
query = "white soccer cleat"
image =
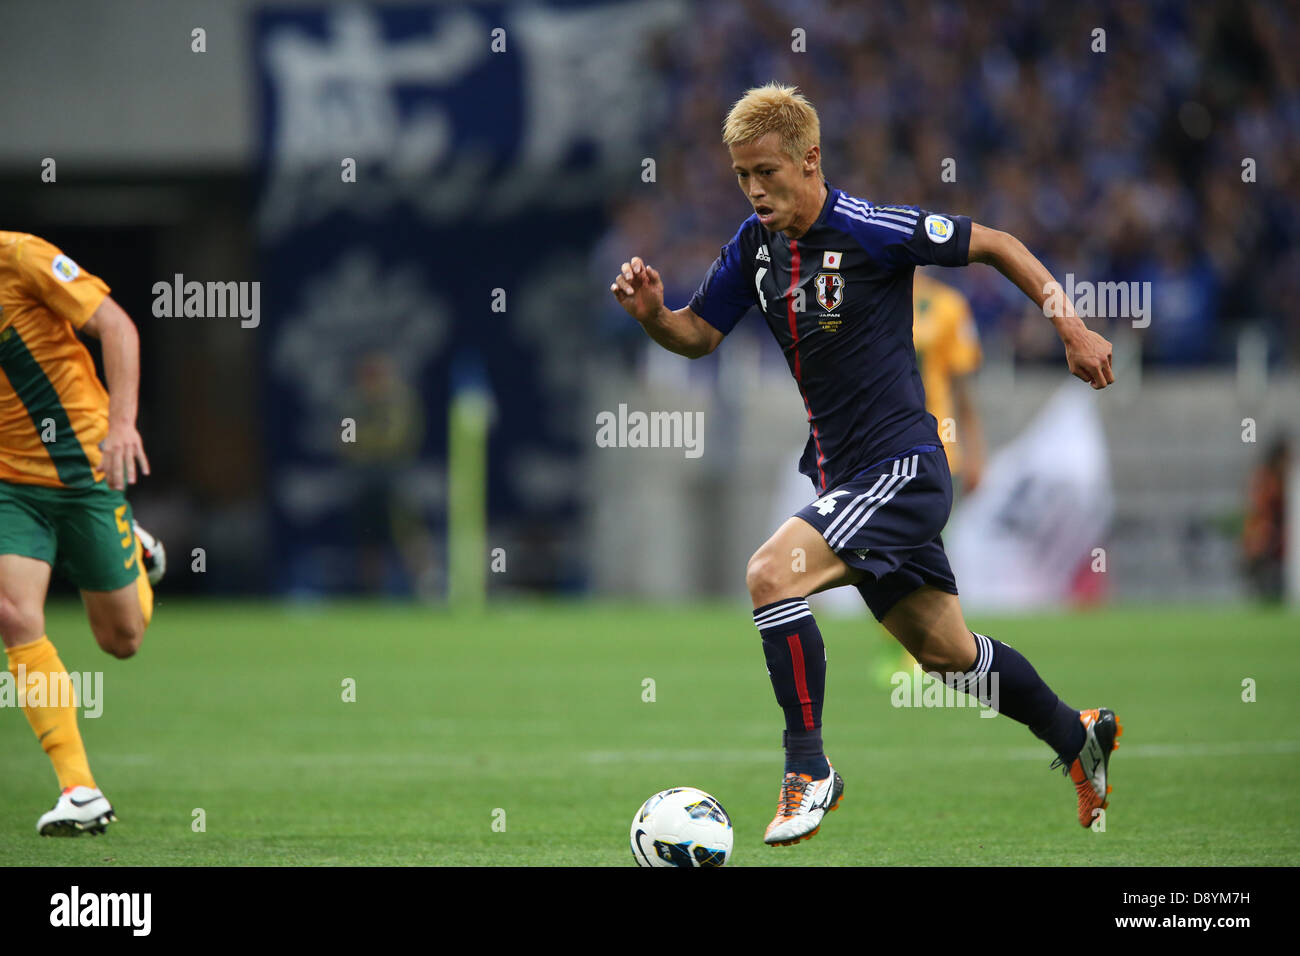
column 153, row 554
column 78, row 810
column 802, row 804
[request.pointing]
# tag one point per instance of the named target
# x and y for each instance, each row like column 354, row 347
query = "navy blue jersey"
column 839, row 301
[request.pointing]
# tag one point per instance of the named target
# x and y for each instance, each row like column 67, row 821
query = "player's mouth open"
column 765, row 214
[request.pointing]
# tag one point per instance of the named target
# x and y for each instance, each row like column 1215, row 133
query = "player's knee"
column 767, row 578
column 121, row 638
column 20, row 624
column 942, row 662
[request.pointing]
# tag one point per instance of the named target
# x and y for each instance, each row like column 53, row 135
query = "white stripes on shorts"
column 861, row 508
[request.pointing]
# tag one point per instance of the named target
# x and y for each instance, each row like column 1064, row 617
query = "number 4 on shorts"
column 826, row 505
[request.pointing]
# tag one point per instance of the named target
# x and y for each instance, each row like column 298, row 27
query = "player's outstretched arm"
column 122, row 447
column 639, row 289
column 1087, row 353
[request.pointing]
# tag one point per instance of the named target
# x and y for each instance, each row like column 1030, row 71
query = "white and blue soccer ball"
column 681, row 827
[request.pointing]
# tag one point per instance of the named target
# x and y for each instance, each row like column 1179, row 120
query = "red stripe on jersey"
column 794, row 345
column 821, row 475
column 790, row 312
column 801, row 680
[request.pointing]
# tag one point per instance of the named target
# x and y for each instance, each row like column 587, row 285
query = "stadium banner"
column 431, row 180
column 1035, row 527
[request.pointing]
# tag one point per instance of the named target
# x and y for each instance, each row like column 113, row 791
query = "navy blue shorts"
column 886, row 521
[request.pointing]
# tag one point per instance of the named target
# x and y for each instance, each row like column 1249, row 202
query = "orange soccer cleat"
column 801, row 806
column 1090, row 768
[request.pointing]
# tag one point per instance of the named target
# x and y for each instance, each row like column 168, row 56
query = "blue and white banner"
column 431, row 180
column 1023, row 538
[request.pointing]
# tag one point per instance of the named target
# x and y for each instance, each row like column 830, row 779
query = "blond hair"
column 774, row 109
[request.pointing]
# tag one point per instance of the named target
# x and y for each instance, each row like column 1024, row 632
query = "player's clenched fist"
column 639, row 289
column 1089, row 355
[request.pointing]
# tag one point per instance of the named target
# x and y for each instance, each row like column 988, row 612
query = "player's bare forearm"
column 120, row 343
column 640, row 290
column 122, row 448
column 1087, row 353
column 1009, row 256
column 682, row 332
column 122, row 369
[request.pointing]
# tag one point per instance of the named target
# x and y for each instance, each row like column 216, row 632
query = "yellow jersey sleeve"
column 57, row 282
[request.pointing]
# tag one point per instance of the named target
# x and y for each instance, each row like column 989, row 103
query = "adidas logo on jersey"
column 762, row 255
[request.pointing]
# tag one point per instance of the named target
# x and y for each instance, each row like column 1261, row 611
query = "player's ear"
column 810, row 159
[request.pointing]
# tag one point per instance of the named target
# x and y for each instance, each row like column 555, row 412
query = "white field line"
column 1140, row 751
column 765, row 755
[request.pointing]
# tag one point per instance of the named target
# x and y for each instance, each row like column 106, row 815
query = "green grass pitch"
column 537, row 710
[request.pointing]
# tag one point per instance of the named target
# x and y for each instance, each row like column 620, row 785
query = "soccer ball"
column 681, row 827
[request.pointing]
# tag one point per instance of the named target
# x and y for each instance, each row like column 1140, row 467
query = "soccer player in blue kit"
column 832, row 276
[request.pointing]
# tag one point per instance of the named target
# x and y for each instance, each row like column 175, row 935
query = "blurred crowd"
column 1123, row 165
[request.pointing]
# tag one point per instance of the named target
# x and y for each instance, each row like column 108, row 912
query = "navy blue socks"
column 796, row 663
column 1005, row 680
column 1001, row 677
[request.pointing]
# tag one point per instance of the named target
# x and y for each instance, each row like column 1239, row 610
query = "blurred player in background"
column 1263, row 537
column 832, row 276
column 68, row 450
column 948, row 355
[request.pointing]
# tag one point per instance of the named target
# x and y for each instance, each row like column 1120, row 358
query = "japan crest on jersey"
column 830, row 290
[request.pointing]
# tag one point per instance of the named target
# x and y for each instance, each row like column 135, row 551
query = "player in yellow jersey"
column 948, row 353
column 68, row 450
